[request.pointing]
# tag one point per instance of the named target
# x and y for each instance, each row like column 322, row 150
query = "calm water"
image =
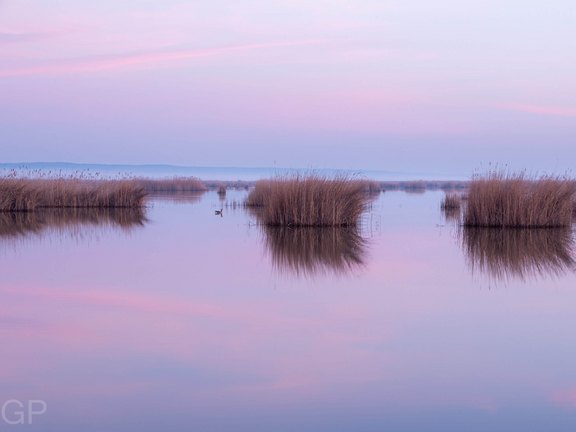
column 182, row 320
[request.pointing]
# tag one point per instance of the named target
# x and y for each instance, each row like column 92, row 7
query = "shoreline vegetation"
column 25, row 194
column 171, row 185
column 309, row 201
column 497, row 199
column 192, row 184
column 503, row 200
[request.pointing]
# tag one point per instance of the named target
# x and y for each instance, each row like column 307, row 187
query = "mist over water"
column 179, row 318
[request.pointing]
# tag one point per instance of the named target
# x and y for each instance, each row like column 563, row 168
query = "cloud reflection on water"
column 523, row 254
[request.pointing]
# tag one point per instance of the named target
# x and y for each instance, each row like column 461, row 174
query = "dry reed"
column 257, row 196
column 451, row 201
column 309, row 201
column 514, row 200
column 222, row 190
column 371, row 186
column 23, row 194
column 451, row 206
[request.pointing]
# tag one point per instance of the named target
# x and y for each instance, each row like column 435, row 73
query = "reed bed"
column 173, row 185
column 222, row 190
column 371, row 186
column 309, row 251
column 515, row 200
column 424, row 185
column 451, row 201
column 451, row 206
column 519, row 253
column 24, row 194
column 261, row 192
column 309, row 201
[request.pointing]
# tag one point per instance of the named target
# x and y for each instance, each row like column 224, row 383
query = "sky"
column 446, row 86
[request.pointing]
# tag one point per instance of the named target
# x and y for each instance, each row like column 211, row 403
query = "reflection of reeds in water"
column 452, row 214
column 308, row 251
column 519, row 253
column 18, row 224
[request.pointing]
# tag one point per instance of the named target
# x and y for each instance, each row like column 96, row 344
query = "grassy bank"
column 309, row 201
column 23, row 194
column 514, row 200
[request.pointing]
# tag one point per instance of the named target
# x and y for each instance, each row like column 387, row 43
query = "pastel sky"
column 444, row 86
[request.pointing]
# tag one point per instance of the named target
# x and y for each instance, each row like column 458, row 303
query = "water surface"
column 180, row 319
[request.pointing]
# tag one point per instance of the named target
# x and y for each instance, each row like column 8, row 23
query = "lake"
column 180, row 319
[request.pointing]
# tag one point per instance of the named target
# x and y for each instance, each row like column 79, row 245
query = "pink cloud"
column 541, row 109
column 116, row 62
column 565, row 398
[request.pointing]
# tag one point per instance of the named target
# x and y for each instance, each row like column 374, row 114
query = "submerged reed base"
column 515, row 200
column 24, row 194
column 309, row 201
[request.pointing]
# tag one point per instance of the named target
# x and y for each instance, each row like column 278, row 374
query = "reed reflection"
column 523, row 254
column 311, row 252
column 22, row 224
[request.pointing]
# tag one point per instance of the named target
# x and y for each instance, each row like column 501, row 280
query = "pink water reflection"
column 186, row 324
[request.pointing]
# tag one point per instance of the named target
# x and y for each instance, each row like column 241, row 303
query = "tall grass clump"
column 516, row 200
column 25, row 194
column 261, row 192
column 372, row 186
column 222, row 190
column 17, row 195
column 451, row 201
column 309, row 201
